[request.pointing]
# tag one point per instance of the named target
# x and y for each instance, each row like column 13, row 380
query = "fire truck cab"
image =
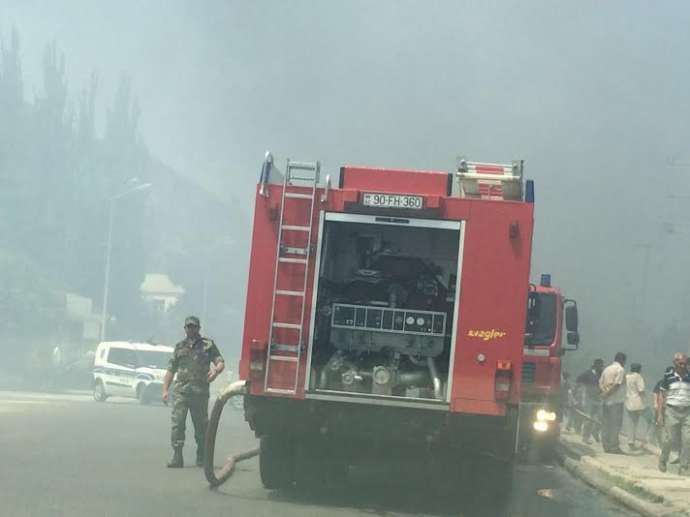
column 549, row 316
column 385, row 314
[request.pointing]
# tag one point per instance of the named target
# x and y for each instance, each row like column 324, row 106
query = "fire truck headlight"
column 541, row 426
column 546, row 416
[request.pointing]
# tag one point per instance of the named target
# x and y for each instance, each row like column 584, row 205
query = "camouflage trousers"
column 197, row 405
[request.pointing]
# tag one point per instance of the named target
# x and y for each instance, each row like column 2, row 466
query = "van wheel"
column 276, row 462
column 99, row 394
column 142, row 396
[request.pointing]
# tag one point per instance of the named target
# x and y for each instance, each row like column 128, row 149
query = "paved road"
column 66, row 455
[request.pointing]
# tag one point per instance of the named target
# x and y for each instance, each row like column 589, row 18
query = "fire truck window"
column 541, row 319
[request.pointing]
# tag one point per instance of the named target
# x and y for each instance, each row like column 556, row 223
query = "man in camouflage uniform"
column 197, row 362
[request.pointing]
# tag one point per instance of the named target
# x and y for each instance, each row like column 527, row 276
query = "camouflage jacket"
column 191, row 361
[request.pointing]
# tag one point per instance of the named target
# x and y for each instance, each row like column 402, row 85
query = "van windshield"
column 153, row 359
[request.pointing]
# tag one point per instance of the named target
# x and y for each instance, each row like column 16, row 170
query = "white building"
column 158, row 290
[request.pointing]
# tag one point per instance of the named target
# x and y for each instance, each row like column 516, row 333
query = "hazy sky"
column 593, row 95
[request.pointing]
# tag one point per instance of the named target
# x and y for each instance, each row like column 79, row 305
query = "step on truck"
column 385, row 315
column 550, row 316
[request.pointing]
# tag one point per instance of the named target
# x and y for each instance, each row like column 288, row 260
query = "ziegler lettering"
column 486, row 335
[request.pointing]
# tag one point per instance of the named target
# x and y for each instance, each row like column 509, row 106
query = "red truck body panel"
column 493, row 282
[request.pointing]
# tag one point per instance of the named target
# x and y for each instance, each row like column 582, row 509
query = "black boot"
column 199, row 456
column 176, row 462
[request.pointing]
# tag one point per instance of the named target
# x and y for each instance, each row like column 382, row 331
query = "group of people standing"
column 602, row 395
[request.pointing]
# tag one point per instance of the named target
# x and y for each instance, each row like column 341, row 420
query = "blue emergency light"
column 529, row 191
column 545, row 280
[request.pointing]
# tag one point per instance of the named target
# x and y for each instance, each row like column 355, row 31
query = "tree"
column 13, row 132
column 58, row 176
column 11, row 78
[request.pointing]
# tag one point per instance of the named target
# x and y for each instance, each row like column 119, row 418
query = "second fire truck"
column 550, row 316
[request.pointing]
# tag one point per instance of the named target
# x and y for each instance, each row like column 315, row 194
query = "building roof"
column 159, row 283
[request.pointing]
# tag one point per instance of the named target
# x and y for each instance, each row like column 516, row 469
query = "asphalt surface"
column 66, row 455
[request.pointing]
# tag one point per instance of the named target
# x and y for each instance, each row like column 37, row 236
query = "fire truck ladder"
column 298, row 176
column 490, row 180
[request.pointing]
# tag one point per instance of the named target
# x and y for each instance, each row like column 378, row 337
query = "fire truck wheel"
column 316, row 468
column 276, row 462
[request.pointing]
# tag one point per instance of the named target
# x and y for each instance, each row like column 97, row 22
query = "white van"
column 126, row 369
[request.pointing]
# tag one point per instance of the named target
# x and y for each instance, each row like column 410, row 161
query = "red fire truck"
column 385, row 315
column 541, row 368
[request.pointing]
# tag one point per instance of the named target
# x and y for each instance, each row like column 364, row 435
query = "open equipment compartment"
column 385, row 307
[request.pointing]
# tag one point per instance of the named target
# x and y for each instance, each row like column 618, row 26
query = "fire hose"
column 584, row 415
column 218, row 477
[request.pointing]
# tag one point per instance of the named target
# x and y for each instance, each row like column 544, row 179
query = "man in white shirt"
column 634, row 402
column 612, row 386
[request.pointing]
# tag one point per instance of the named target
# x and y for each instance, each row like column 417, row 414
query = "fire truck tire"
column 276, row 462
column 317, row 468
column 315, row 472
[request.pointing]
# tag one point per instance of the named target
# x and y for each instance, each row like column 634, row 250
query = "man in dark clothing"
column 588, row 385
column 197, row 362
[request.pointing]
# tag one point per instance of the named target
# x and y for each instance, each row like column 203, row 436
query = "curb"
column 648, row 447
column 591, row 474
column 620, row 480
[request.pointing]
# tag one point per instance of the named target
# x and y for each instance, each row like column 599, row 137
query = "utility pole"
column 204, row 298
column 106, row 280
column 135, row 186
column 645, row 279
column 215, row 250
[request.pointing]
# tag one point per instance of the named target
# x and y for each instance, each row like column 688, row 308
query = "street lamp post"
column 106, row 281
column 208, row 267
column 642, row 317
column 109, row 246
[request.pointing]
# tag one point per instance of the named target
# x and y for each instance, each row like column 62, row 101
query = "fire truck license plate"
column 392, row 201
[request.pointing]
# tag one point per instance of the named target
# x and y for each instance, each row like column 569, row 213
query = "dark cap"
column 192, row 320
